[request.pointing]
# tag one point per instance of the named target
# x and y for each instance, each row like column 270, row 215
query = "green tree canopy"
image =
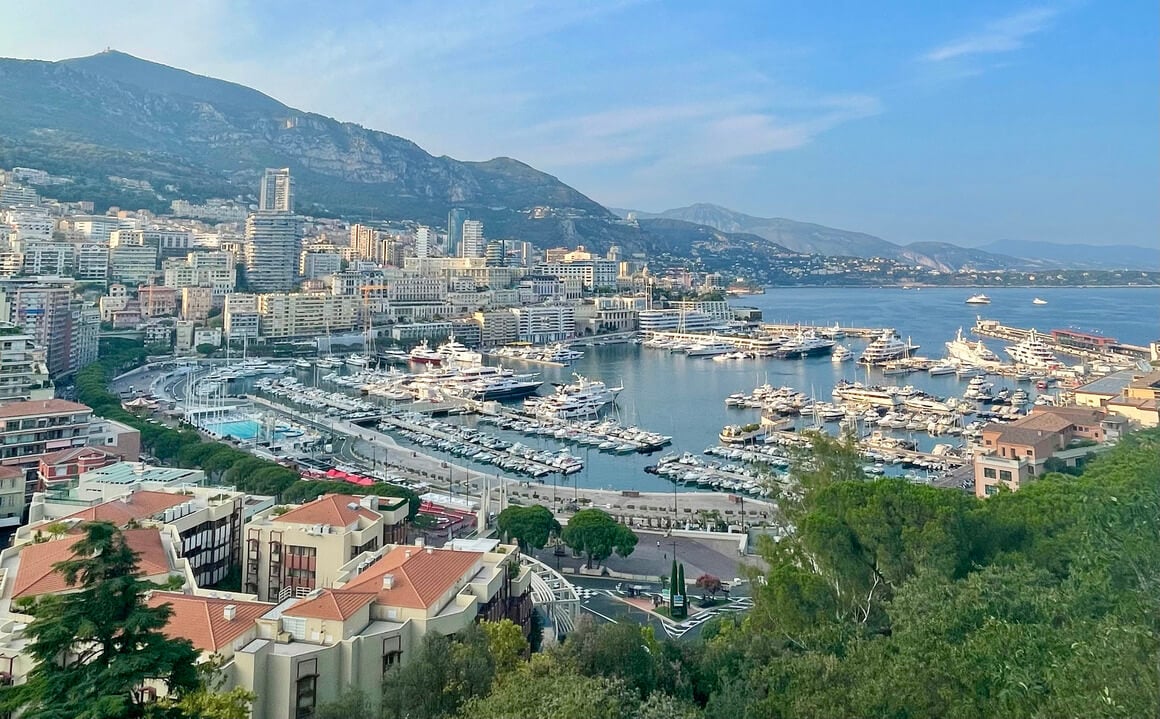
column 530, row 526
column 595, row 533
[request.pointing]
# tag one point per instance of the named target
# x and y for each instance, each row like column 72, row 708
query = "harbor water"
column 683, row 396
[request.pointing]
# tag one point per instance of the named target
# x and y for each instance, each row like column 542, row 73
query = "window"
column 306, row 689
column 392, row 653
column 1031, row 470
column 988, row 472
column 1004, row 475
column 991, row 489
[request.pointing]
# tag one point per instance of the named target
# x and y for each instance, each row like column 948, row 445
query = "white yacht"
column 1033, row 352
column 1038, row 301
column 979, row 299
column 301, row 363
column 972, row 353
column 944, row 367
column 559, row 353
column 582, row 398
column 452, row 352
column 357, row 360
column 805, row 344
column 842, row 354
column 709, row 349
column 884, row 349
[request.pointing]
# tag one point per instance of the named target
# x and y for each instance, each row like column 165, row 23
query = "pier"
column 1115, row 352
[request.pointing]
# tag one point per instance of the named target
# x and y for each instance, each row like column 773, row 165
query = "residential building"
column 497, row 328
column 44, row 308
column 23, row 371
column 240, row 316
column 196, row 303
column 90, row 262
column 316, row 264
column 543, row 324
column 62, row 470
column 45, row 257
column 97, row 228
column 424, row 241
column 157, row 301
column 294, row 552
column 1131, row 394
column 276, row 193
column 1013, row 454
column 11, row 496
column 273, row 243
column 116, row 437
column 473, row 244
column 167, row 243
column 455, row 219
column 593, row 274
column 133, row 264
column 214, row 270
column 305, row 314
column 35, row 427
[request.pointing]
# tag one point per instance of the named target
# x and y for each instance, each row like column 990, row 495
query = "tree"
column 544, row 689
column 206, row 349
column 212, row 700
column 352, row 703
column 530, row 526
column 709, row 583
column 595, row 533
column 506, row 643
column 623, row 651
column 444, row 673
column 95, row 648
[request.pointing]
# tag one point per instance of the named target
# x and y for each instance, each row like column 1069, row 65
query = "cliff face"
column 116, row 114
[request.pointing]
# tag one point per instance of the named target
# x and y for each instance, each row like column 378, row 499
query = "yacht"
column 423, row 354
column 978, row 300
column 456, row 353
column 559, row 353
column 1033, row 352
column 709, row 349
column 805, row 344
column 497, row 388
column 884, row 349
column 972, row 353
column 944, row 367
column 1038, row 301
column 301, row 363
column 328, row 362
column 842, row 353
column 357, row 360
column 582, row 398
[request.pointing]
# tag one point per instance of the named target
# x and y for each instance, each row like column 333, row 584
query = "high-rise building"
column 277, row 191
column 472, row 244
column 455, row 220
column 423, row 242
column 45, row 309
column 496, row 253
column 273, row 236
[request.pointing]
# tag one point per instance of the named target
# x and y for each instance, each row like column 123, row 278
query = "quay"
column 1109, row 351
column 908, row 456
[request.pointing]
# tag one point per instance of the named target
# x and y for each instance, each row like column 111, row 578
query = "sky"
column 955, row 121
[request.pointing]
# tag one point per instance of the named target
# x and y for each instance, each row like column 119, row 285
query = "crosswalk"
column 674, row 629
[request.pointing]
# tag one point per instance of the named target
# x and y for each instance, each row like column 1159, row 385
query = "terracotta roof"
column 35, row 574
column 331, row 604
column 37, row 407
column 419, row 580
column 202, row 620
column 330, row 509
column 10, row 472
column 65, row 455
column 142, row 504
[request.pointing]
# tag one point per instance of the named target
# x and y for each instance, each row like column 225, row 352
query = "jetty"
column 1067, row 342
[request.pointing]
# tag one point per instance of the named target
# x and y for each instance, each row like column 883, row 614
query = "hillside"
column 115, row 114
column 1097, row 257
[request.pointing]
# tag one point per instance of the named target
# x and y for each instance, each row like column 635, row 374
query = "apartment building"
column 90, row 262
column 316, row 264
column 593, row 274
column 167, row 242
column 196, row 303
column 11, row 496
column 62, row 470
column 294, row 552
column 543, row 324
column 1013, row 454
column 44, row 307
column 35, row 427
column 273, row 243
column 157, row 301
column 23, row 372
column 133, row 264
column 214, row 270
column 305, row 315
column 497, row 328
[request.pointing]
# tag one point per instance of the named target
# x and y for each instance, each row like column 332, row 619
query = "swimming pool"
column 244, row 429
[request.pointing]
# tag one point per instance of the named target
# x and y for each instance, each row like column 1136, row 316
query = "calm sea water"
column 684, row 396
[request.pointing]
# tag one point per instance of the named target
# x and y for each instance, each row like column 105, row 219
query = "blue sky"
column 965, row 122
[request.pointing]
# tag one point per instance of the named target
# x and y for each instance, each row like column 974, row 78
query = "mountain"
column 1096, row 257
column 115, row 114
column 809, row 238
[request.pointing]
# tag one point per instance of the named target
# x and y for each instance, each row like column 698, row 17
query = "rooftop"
column 40, row 407
column 132, row 472
column 35, row 575
column 1111, row 385
column 143, row 504
column 330, row 604
column 202, row 620
column 68, row 455
column 334, row 510
column 421, row 576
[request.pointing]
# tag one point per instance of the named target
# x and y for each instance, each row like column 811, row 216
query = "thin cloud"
column 1005, row 35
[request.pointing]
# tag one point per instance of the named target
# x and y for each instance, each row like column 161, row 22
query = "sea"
column 684, row 396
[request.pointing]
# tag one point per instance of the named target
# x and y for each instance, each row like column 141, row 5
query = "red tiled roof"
column 10, row 472
column 202, row 620
column 142, row 504
column 66, row 455
column 330, row 509
column 419, row 580
column 332, row 604
column 36, row 576
column 37, row 407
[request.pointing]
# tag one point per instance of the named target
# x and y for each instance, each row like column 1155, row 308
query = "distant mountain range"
column 195, row 137
column 811, row 238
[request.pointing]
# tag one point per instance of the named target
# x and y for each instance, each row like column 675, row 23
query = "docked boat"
column 452, row 352
column 979, row 299
column 357, row 360
column 302, row 363
column 500, row 388
column 740, row 434
column 582, row 398
column 972, row 353
column 885, row 349
column 709, row 349
column 1038, row 301
column 942, row 368
column 804, row 344
column 561, row 354
column 423, row 354
column 841, row 353
column 1033, row 352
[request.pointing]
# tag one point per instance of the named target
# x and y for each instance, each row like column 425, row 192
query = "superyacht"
column 884, row 349
column 971, row 353
column 1033, row 352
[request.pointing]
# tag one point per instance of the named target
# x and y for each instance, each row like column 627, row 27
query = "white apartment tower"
column 423, row 242
column 277, row 191
column 473, row 244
